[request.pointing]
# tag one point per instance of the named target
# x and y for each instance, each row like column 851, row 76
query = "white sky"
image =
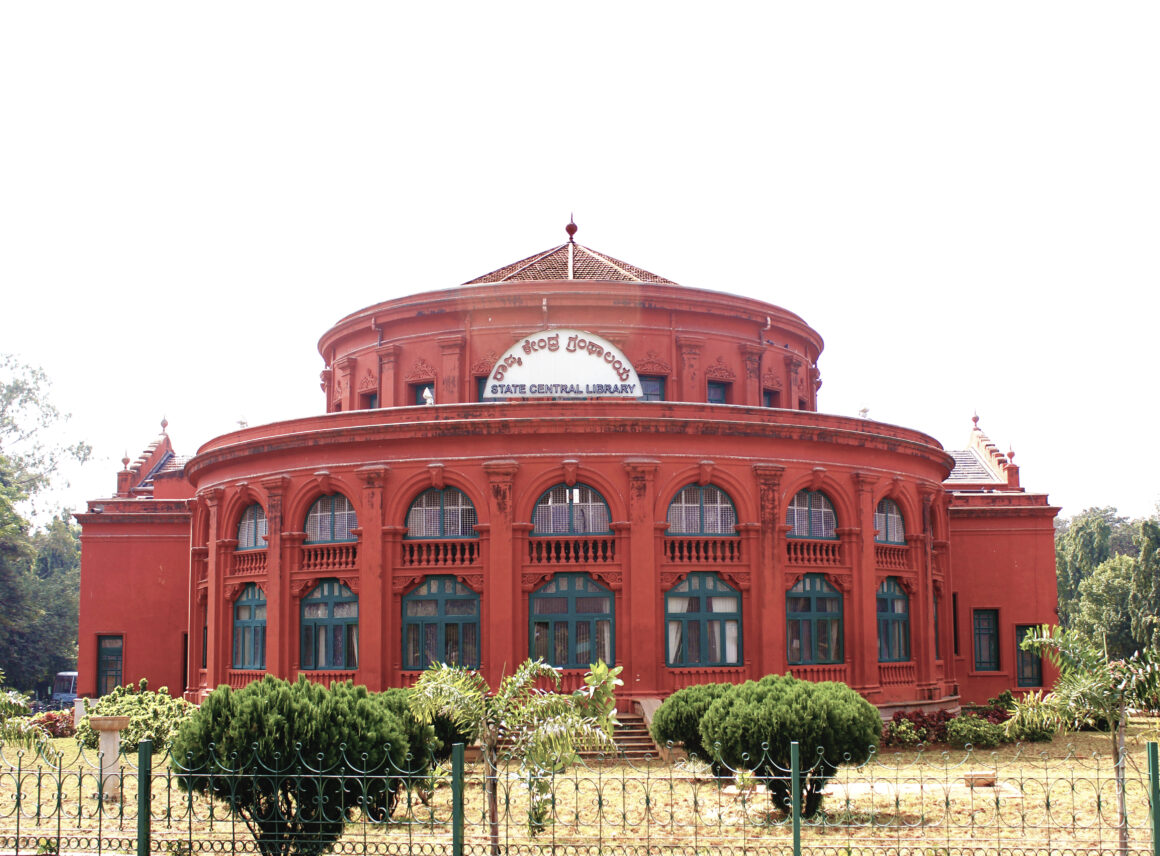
column 962, row 199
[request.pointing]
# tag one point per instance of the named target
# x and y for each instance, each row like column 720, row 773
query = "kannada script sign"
column 562, row 364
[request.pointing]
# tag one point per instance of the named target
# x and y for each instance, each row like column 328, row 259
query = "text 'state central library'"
column 571, row 458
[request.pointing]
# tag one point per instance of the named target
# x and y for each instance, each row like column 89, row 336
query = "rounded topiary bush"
column 975, row 730
column 427, row 742
column 752, row 726
column 288, row 758
column 678, row 719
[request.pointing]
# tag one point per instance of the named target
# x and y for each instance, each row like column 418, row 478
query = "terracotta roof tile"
column 569, row 261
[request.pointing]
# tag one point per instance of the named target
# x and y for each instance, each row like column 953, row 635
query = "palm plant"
column 544, row 730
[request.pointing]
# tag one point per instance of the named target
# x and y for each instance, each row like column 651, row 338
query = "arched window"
column 893, row 622
column 571, row 622
column 813, row 613
column 330, row 519
column 446, row 513
column 576, row 510
column 702, row 622
column 250, row 628
column 441, row 625
column 252, row 528
column 330, row 627
column 888, row 522
column 811, row 514
column 702, row 510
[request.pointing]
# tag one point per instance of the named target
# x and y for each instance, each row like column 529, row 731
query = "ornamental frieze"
column 421, row 370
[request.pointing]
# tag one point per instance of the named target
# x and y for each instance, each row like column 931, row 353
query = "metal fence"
column 915, row 802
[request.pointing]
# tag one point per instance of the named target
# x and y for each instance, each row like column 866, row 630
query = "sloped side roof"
column 970, row 467
column 570, row 261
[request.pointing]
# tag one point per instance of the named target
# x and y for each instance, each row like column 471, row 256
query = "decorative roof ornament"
column 571, row 228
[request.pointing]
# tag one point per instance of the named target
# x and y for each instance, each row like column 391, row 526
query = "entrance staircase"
column 633, row 742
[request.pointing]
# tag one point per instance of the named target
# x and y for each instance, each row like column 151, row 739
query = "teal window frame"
column 1028, row 664
column 431, row 510
column 693, row 630
column 441, row 623
column 686, row 513
column 811, row 515
column 652, row 387
column 328, row 515
column 563, row 618
column 578, row 498
column 417, row 391
column 251, row 528
column 985, row 623
column 889, row 523
column 717, row 392
column 110, row 662
column 771, row 398
column 329, row 628
column 893, row 607
column 481, row 388
column 250, row 629
column 814, row 620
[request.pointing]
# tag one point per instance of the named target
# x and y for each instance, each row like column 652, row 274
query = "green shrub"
column 973, row 729
column 752, row 726
column 900, row 732
column 276, row 754
column 678, row 719
column 152, row 716
column 1034, row 720
column 56, row 723
column 427, row 742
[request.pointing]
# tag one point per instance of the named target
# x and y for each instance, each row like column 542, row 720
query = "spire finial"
column 975, row 419
column 164, row 424
column 571, row 228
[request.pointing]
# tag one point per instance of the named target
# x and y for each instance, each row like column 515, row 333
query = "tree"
column 38, row 621
column 290, row 759
column 1104, row 607
column 545, row 730
column 1093, row 689
column 1081, row 544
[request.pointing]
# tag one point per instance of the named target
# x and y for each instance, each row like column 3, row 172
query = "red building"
column 571, row 458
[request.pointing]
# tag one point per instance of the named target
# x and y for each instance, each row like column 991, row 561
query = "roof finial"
column 975, row 419
column 571, row 228
column 164, row 424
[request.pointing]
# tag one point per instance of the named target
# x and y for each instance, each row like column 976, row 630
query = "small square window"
column 369, row 401
column 418, row 390
column 718, row 392
column 652, row 388
column 771, row 398
column 480, row 388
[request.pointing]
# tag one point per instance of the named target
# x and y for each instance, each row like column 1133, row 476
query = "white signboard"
column 562, row 364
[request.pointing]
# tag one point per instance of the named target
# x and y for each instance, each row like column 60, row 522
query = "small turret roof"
column 570, row 261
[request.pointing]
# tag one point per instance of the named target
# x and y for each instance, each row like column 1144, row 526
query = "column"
column 764, row 622
column 388, row 366
column 503, row 602
column 921, row 604
column 689, row 378
column 451, row 388
column 861, row 610
column 641, row 649
column 277, row 579
column 375, row 620
column 345, row 368
column 216, row 609
column 750, row 394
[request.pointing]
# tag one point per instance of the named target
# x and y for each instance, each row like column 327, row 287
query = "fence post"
column 457, row 799
column 144, row 794
column 795, row 783
column 1154, row 795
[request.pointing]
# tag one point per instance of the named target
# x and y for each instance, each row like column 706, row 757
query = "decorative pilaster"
column 689, row 348
column 751, row 359
column 921, row 620
column 278, row 641
column 451, row 388
column 502, row 613
column 376, row 620
column 639, row 645
column 388, row 366
column 764, row 625
column 345, row 371
column 862, row 634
